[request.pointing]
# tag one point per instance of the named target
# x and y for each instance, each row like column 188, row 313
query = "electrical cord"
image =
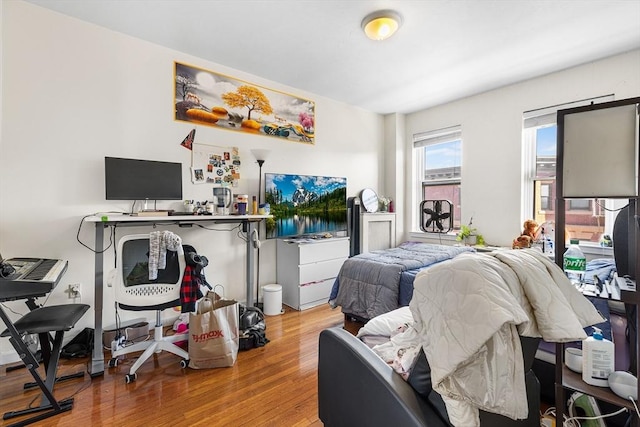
column 575, row 421
column 111, row 235
column 635, row 406
column 11, row 310
column 219, row 229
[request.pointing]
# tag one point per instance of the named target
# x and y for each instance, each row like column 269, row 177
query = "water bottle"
column 574, row 263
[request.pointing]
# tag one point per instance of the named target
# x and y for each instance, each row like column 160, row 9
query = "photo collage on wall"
column 211, row 164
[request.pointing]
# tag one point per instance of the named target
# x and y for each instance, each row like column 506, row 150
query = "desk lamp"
column 260, row 156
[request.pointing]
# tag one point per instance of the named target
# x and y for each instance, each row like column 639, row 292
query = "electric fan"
column 436, row 216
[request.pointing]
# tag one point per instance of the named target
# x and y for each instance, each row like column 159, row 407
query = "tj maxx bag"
column 213, row 333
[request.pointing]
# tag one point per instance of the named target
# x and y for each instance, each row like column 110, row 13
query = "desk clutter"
column 225, row 203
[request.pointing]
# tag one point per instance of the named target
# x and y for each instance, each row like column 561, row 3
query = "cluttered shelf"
column 621, row 289
column 573, row 380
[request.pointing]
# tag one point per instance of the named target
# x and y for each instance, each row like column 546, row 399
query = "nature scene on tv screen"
column 305, row 205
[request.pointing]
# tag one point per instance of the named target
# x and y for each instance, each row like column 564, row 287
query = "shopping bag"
column 213, row 333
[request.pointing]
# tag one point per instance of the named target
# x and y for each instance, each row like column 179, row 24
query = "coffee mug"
column 242, row 208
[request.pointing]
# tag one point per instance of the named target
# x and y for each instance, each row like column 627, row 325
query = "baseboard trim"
column 8, row 357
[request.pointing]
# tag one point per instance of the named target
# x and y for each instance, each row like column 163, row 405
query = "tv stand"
column 96, row 367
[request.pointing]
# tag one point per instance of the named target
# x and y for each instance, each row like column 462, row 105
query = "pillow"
column 385, row 324
column 420, row 375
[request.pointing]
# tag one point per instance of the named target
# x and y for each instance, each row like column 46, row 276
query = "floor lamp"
column 260, row 156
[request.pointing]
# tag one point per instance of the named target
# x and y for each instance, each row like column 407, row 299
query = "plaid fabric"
column 190, row 289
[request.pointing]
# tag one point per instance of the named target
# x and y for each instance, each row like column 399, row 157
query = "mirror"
column 369, row 200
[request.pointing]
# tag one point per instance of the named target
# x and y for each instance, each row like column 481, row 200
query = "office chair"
column 134, row 291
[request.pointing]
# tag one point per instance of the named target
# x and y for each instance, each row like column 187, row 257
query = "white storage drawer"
column 323, row 250
column 314, row 294
column 320, row 270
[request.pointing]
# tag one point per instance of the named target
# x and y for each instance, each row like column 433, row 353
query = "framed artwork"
column 211, row 99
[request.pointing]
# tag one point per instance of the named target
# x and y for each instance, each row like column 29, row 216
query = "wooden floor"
column 275, row 385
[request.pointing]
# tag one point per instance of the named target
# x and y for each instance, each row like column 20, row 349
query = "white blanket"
column 469, row 312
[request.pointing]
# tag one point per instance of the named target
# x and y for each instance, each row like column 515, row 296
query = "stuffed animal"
column 530, row 229
column 521, row 242
column 528, row 235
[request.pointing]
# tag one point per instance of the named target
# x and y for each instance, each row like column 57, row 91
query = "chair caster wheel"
column 129, row 378
column 113, row 363
column 184, row 363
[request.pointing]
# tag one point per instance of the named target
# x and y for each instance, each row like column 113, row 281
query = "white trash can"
column 272, row 300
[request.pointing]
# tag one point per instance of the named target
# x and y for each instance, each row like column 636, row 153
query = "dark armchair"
column 357, row 388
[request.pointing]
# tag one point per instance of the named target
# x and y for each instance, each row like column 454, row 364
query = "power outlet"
column 73, row 291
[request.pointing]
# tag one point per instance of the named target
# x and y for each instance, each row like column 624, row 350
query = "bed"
column 374, row 283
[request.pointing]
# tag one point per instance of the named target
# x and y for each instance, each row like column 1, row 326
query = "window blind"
column 424, row 139
column 547, row 115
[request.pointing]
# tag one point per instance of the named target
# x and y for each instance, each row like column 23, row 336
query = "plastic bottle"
column 548, row 247
column 598, row 359
column 574, row 262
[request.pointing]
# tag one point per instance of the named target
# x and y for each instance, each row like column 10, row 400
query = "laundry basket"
column 272, row 299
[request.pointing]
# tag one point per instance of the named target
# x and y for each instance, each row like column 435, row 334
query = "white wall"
column 73, row 93
column 492, row 142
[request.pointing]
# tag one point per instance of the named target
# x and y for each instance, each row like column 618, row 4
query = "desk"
column 101, row 222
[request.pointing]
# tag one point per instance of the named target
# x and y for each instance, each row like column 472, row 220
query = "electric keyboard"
column 33, row 277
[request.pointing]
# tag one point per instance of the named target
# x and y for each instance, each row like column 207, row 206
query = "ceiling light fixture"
column 382, row 24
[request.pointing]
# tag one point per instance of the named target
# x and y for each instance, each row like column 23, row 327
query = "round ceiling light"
column 381, row 25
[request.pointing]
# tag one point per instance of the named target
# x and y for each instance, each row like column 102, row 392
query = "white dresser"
column 306, row 270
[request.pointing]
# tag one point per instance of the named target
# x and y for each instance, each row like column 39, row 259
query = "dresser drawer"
column 323, row 250
column 319, row 271
column 315, row 293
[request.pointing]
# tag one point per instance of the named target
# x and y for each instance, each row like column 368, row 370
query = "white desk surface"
column 115, row 217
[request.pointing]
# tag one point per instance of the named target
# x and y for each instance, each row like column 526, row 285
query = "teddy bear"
column 530, row 229
column 521, row 242
column 528, row 235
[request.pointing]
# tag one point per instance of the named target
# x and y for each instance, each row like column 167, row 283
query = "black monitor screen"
column 131, row 179
column 624, row 241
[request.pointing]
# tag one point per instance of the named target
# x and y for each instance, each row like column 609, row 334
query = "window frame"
column 420, row 183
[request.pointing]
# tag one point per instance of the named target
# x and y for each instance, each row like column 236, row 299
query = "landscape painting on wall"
column 211, row 99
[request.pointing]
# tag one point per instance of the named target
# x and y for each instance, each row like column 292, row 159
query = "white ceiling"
column 445, row 49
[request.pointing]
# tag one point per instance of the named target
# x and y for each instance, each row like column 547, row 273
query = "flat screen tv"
column 133, row 179
column 305, row 205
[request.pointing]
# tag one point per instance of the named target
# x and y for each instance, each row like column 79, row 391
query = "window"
column 546, row 204
column 579, row 204
column 438, row 160
column 586, row 219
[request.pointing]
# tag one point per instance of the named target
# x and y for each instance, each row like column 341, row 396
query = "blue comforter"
column 369, row 284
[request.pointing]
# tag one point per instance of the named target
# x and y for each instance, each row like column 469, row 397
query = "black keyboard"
column 33, row 277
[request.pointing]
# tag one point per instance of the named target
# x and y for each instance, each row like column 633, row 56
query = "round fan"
column 436, row 216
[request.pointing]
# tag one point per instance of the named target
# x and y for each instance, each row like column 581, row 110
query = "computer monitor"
column 625, row 230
